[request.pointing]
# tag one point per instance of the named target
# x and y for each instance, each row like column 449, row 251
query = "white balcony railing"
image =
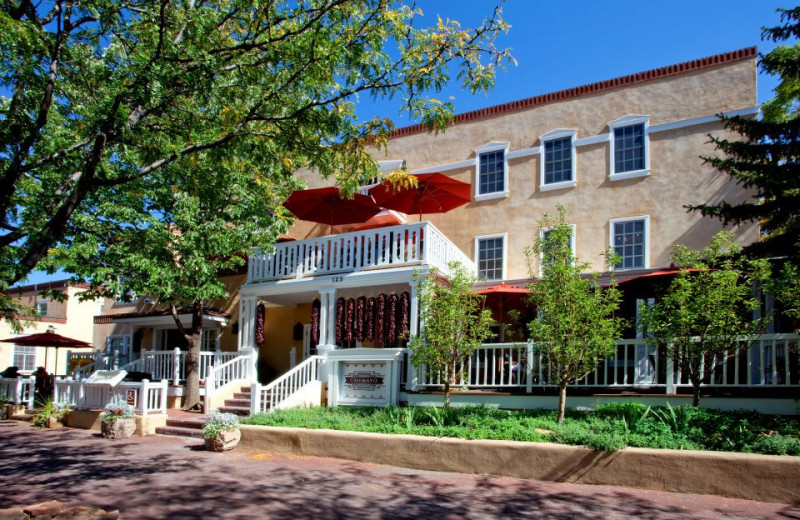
column 395, row 246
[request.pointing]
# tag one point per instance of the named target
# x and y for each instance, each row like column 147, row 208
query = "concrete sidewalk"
column 169, row 478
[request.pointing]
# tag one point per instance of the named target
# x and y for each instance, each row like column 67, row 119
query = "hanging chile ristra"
column 380, row 319
column 370, row 319
column 391, row 318
column 361, row 303
column 316, row 307
column 405, row 311
column 349, row 320
column 339, row 320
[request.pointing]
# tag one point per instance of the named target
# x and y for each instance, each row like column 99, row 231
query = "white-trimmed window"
column 209, row 341
column 41, row 307
column 543, row 235
column 490, row 257
column 630, row 240
column 24, row 358
column 491, row 171
column 630, row 147
column 558, row 160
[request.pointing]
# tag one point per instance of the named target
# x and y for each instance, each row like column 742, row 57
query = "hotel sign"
column 364, row 383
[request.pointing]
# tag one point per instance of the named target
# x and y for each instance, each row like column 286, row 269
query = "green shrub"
column 776, row 444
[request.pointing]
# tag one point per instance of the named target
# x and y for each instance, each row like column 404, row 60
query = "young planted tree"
column 96, row 96
column 454, row 325
column 575, row 329
column 706, row 316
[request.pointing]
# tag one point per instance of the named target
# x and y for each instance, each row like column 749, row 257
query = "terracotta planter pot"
column 52, row 422
column 119, row 429
column 226, row 440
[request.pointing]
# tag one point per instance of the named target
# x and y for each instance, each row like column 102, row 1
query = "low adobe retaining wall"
column 766, row 478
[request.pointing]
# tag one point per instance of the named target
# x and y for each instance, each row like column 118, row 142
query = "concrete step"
column 242, row 395
column 22, row 417
column 239, row 403
column 245, row 390
column 238, row 410
column 196, row 424
column 176, row 431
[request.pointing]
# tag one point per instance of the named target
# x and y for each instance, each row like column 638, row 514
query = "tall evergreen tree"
column 766, row 159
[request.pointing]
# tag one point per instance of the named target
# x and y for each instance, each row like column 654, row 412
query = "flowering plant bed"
column 221, row 431
column 607, row 428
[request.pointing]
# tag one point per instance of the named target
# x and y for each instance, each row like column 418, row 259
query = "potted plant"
column 221, row 431
column 51, row 415
column 5, row 409
column 118, row 420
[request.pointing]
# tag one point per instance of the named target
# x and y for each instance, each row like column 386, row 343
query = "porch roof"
column 162, row 317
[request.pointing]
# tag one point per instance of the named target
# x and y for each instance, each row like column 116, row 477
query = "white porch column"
column 327, row 317
column 414, row 329
column 247, row 322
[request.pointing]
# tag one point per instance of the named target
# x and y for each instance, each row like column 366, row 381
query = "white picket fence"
column 18, row 390
column 146, row 397
column 772, row 360
column 271, row 396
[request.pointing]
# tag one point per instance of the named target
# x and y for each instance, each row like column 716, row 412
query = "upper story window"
column 630, row 239
column 491, row 171
column 558, row 160
column 630, row 148
column 41, row 307
column 25, row 358
column 490, row 257
column 544, row 234
column 209, row 339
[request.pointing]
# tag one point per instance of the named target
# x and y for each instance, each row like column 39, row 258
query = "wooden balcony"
column 409, row 245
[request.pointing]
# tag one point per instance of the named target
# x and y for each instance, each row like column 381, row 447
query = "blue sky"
column 565, row 44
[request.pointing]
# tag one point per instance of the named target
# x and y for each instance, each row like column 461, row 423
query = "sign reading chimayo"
column 364, row 377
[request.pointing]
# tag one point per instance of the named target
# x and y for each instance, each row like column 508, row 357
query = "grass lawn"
column 607, row 428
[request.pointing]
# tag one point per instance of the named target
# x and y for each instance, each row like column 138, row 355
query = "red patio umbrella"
column 501, row 296
column 327, row 206
column 47, row 339
column 434, row 193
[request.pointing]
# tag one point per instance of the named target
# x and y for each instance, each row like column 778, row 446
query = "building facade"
column 622, row 156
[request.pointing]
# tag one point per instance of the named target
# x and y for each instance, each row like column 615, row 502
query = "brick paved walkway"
column 168, row 478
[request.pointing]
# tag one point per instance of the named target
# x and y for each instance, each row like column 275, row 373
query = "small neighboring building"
column 71, row 318
column 132, row 324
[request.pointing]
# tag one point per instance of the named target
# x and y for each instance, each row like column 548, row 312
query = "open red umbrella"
column 327, row 206
column 434, row 193
column 502, row 296
column 47, row 339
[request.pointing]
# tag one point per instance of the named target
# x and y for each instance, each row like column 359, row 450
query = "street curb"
column 765, row 478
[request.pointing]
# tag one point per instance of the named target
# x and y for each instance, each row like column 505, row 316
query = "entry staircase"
column 282, row 392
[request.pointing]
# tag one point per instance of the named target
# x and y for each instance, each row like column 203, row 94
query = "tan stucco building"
column 71, row 318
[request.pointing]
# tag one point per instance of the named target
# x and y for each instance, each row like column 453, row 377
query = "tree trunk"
column 193, row 338
column 695, row 393
column 562, row 401
column 447, row 394
column 193, row 359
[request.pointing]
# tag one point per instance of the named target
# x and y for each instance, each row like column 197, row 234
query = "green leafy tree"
column 575, row 329
column 765, row 158
column 454, row 325
column 102, row 97
column 706, row 316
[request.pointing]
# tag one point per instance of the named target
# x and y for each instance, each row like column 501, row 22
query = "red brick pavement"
column 169, row 478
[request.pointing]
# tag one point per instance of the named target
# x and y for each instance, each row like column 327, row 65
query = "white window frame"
column 488, row 148
column 39, row 304
column 544, row 230
column 478, row 239
column 211, row 331
column 632, row 120
column 614, row 221
column 553, row 136
column 29, row 352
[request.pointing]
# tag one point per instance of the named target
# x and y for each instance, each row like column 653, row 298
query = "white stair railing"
column 269, row 397
column 242, row 367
